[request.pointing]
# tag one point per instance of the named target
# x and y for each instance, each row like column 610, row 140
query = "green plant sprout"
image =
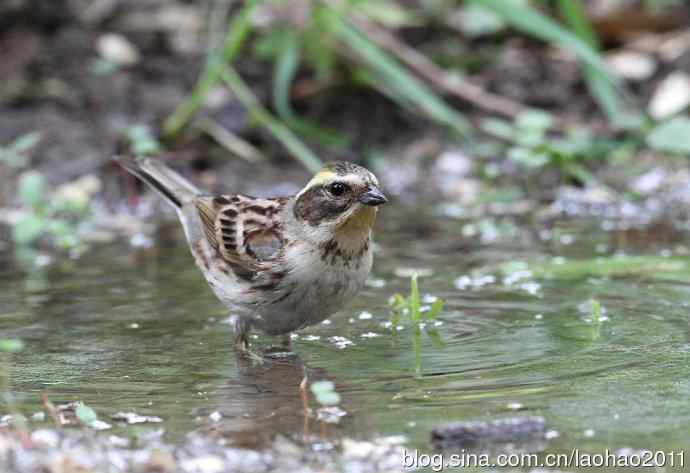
column 411, row 307
column 14, row 155
column 46, row 213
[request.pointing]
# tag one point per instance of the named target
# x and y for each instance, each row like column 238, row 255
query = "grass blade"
column 257, row 112
column 285, row 70
column 237, row 33
column 532, row 22
column 598, row 84
column 397, row 77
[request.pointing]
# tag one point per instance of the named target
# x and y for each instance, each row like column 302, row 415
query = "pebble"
column 672, row 96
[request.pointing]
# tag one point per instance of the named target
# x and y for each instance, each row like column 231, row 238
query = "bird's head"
column 341, row 199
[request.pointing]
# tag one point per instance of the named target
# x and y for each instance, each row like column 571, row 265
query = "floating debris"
column 340, row 342
column 133, row 418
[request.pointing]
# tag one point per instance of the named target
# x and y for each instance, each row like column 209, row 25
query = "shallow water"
column 138, row 330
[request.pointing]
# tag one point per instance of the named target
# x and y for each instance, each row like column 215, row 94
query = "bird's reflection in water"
column 263, row 400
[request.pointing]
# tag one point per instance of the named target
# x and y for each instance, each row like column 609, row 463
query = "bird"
column 278, row 264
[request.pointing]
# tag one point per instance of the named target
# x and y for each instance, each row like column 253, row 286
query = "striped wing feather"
column 244, row 230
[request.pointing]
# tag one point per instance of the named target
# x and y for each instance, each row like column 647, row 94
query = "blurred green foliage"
column 330, row 41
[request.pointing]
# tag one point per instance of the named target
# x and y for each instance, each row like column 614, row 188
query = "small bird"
column 279, row 264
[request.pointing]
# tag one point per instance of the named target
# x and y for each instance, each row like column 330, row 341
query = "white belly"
column 319, row 289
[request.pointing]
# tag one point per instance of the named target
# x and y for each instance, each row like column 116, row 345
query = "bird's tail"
column 173, row 187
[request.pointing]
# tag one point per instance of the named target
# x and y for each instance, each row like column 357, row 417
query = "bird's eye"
column 337, row 189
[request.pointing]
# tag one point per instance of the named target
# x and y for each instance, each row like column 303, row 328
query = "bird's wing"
column 246, row 231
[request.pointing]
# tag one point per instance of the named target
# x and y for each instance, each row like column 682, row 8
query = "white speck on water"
column 215, row 416
column 365, row 316
column 438, row 323
column 567, row 239
column 140, row 240
column 400, row 327
column 531, row 288
column 311, row 338
column 376, row 283
column 340, row 342
column 133, row 325
column 551, row 434
column 351, row 320
column 370, row 335
column 386, row 324
column 539, row 316
column 475, row 282
column 589, row 433
column 43, row 260
column 514, row 406
column 294, row 336
column 429, row 299
column 326, row 322
column 545, row 235
column 516, row 276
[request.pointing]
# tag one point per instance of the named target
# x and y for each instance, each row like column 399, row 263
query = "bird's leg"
column 286, row 342
column 241, row 328
column 303, row 392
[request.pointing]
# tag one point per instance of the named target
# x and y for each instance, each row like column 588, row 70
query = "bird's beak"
column 373, row 196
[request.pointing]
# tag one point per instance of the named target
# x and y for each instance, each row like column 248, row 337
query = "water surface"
column 128, row 329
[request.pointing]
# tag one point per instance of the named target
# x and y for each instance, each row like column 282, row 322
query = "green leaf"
column 282, row 133
column 435, row 337
column 325, row 393
column 499, row 128
column 528, row 157
column 599, row 86
column 28, row 229
column 671, row 137
column 415, row 303
column 11, row 346
column 237, row 32
column 283, row 76
column 142, row 141
column 534, row 120
column 26, row 142
column 32, row 189
column 322, row 386
column 435, row 309
column 531, row 21
column 85, row 414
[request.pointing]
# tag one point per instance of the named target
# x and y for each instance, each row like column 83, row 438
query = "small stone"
column 355, row 449
column 632, row 65
column 671, row 96
column 46, row 438
column 203, row 464
column 117, row 49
